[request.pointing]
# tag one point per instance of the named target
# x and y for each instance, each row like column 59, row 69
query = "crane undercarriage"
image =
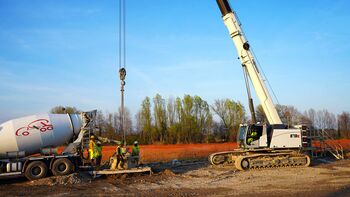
column 260, row 158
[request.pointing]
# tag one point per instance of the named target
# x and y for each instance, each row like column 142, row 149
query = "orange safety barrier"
column 163, row 153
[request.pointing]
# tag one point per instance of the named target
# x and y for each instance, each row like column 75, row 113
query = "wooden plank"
column 132, row 170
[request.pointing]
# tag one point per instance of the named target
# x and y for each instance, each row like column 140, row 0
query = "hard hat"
column 92, row 137
column 98, row 143
column 136, row 142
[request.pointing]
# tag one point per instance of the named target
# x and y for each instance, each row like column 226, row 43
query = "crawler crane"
column 260, row 145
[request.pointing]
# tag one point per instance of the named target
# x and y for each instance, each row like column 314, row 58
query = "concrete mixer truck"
column 28, row 144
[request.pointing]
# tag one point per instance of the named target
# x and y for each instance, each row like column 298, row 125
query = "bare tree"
column 311, row 115
column 127, row 120
column 325, row 120
column 289, row 114
column 260, row 114
column 344, row 125
column 64, row 110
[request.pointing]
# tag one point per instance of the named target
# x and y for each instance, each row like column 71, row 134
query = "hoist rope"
column 265, row 77
column 122, row 34
column 122, row 61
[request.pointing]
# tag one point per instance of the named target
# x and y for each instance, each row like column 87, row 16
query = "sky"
column 63, row 52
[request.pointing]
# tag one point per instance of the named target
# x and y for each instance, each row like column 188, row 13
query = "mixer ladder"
column 87, row 130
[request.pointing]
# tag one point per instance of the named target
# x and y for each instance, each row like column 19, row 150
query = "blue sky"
column 65, row 53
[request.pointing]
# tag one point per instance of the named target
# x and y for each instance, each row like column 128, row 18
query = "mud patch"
column 71, row 179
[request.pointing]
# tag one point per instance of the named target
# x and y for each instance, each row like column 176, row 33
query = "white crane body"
column 247, row 60
column 260, row 145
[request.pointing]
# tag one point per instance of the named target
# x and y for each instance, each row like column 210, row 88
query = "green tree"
column 146, row 120
column 231, row 114
column 203, row 118
column 179, row 120
column 160, row 118
column 188, row 120
column 172, row 121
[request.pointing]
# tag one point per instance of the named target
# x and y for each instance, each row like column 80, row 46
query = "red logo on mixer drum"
column 42, row 125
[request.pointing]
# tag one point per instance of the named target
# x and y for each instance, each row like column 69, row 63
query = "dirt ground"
column 195, row 178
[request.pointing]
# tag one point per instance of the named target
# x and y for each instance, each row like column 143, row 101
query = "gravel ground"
column 195, row 178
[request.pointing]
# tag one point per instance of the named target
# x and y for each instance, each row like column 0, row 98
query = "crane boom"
column 260, row 145
column 247, row 60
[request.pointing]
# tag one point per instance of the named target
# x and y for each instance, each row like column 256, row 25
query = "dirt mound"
column 168, row 172
column 71, row 179
column 347, row 155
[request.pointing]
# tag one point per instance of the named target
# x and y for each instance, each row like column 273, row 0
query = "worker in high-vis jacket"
column 252, row 137
column 121, row 156
column 98, row 153
column 92, row 154
column 136, row 153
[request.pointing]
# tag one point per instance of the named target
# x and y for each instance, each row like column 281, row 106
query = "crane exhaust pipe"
column 224, row 6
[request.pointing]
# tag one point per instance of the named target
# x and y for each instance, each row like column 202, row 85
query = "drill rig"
column 260, row 145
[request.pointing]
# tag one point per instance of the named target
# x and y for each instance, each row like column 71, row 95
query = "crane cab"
column 253, row 136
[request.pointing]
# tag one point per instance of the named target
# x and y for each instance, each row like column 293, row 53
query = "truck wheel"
column 62, row 166
column 36, row 170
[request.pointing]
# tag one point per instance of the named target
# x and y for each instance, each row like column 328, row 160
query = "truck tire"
column 36, row 170
column 62, row 166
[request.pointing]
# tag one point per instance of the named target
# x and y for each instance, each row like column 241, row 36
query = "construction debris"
column 327, row 177
column 75, row 178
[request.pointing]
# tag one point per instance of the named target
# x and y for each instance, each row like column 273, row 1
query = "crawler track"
column 263, row 158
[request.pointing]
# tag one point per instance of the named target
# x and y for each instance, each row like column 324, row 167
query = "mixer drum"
column 31, row 133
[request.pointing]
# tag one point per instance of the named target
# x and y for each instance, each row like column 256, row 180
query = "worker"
column 136, row 153
column 92, row 153
column 252, row 137
column 98, row 153
column 120, row 156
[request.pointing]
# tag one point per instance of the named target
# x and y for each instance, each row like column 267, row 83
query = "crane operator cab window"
column 254, row 133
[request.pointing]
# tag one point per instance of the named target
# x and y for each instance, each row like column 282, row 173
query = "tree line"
column 191, row 119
